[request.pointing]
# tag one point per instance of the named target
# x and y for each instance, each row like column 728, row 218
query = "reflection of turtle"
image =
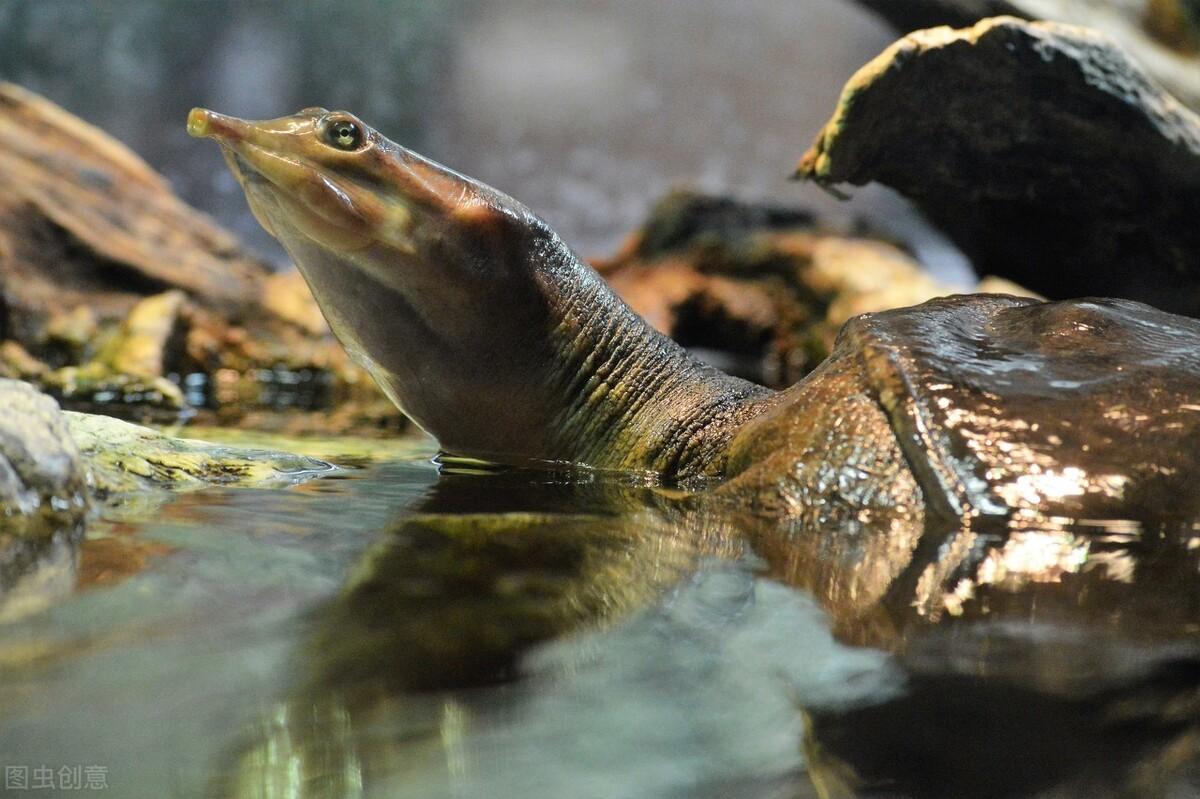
column 485, row 328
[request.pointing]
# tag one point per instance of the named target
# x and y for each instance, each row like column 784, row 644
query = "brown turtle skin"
column 997, row 407
column 488, row 330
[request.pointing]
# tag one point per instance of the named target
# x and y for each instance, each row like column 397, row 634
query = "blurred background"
column 587, row 111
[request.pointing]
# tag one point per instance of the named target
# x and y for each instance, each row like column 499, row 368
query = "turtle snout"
column 203, row 123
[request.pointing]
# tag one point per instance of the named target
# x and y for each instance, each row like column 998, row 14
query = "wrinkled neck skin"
column 629, row 397
column 486, row 330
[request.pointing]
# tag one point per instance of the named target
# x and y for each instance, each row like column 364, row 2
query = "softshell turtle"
column 489, row 332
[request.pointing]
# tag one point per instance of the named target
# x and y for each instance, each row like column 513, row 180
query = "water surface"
column 396, row 632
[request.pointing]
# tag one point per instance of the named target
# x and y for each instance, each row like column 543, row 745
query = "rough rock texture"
column 125, row 458
column 1162, row 35
column 758, row 288
column 80, row 189
column 43, row 487
column 110, row 285
column 1041, row 149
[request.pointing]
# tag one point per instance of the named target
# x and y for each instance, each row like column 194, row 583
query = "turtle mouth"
column 293, row 191
column 250, row 161
column 242, row 168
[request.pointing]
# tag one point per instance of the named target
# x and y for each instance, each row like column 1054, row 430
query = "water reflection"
column 960, row 734
column 540, row 635
column 543, row 634
column 694, row 695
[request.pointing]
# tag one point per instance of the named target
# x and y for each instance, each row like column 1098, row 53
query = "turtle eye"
column 343, row 134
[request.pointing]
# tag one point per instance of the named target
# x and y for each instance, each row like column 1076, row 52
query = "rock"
column 759, row 289
column 53, row 465
column 1162, row 35
column 97, row 205
column 70, row 334
column 43, row 487
column 863, row 276
column 124, row 458
column 95, row 386
column 127, row 370
column 116, row 285
column 1047, row 155
column 684, row 220
column 140, row 348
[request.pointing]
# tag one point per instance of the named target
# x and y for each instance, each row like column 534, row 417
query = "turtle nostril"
column 198, row 122
column 203, row 123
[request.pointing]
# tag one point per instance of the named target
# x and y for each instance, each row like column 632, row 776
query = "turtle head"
column 325, row 179
column 434, row 282
column 470, row 312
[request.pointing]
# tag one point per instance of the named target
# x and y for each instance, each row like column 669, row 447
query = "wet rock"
column 118, row 287
column 124, row 458
column 55, row 466
column 759, row 290
column 1162, row 35
column 1047, row 155
column 43, row 490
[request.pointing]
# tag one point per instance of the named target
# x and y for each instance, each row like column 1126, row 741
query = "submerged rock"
column 1043, row 151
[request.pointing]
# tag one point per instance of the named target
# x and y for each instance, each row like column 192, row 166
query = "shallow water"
column 392, row 631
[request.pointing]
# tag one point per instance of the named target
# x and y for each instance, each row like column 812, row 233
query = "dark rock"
column 1043, row 151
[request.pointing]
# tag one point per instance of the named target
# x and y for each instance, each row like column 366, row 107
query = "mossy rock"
column 125, row 458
